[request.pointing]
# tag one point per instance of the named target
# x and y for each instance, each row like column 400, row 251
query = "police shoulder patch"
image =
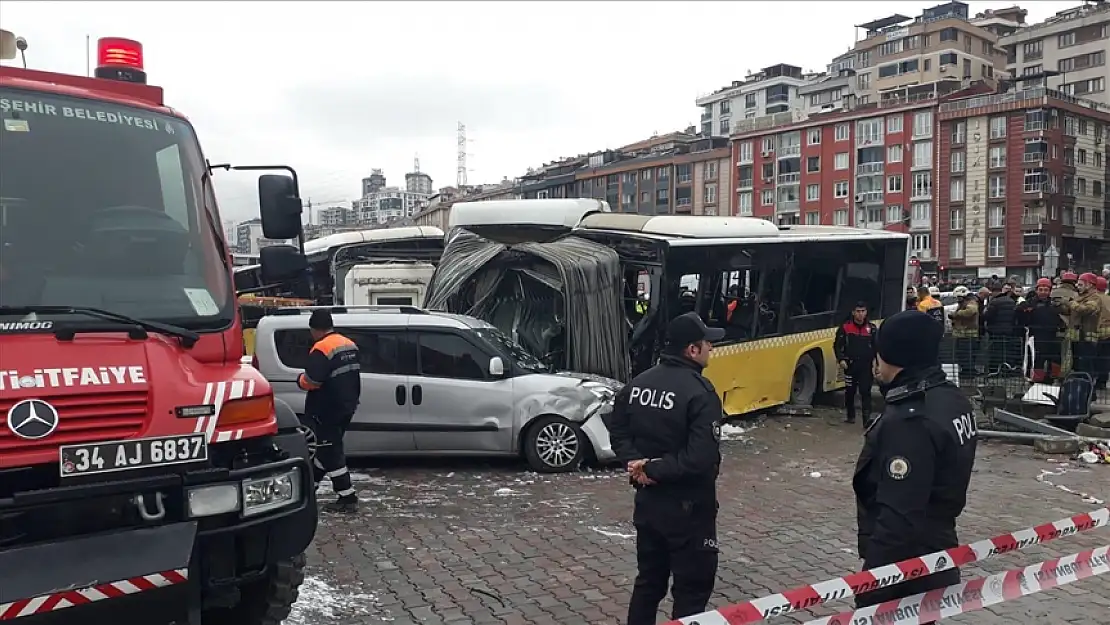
column 898, row 468
column 717, row 430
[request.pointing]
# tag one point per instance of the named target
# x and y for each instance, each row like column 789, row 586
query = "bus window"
column 770, row 275
column 814, row 280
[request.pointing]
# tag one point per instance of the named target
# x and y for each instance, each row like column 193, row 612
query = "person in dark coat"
column 854, row 347
column 998, row 321
column 913, row 473
column 1039, row 316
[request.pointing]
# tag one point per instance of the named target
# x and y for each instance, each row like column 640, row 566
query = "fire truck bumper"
column 161, row 573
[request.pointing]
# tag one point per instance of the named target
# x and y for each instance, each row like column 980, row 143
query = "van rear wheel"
column 554, row 445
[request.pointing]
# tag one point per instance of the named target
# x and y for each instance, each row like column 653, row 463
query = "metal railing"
column 865, row 169
column 787, row 151
column 1038, row 93
column 792, row 178
column 1020, row 371
column 1033, row 157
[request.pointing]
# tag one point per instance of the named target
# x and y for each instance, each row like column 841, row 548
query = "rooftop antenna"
column 460, row 174
column 416, row 164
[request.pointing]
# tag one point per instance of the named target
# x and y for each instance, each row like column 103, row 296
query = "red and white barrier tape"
column 805, row 597
column 111, row 590
column 977, row 594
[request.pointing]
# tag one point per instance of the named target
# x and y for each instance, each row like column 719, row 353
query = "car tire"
column 267, row 601
column 804, row 383
column 554, row 445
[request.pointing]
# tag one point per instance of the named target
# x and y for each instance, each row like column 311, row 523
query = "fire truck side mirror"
column 279, row 206
column 281, row 263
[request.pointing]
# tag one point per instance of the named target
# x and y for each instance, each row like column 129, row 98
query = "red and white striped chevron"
column 217, row 394
column 69, row 598
column 805, row 597
column 978, row 593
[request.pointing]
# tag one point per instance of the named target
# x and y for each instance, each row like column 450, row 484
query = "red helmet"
column 1089, row 278
column 1069, row 276
column 1100, row 284
column 1044, row 282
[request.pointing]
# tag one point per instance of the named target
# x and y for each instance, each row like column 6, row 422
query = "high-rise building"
column 771, row 90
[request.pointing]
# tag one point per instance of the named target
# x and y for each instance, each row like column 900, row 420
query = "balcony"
column 684, row 179
column 706, row 116
column 1039, row 94
column 921, row 224
column 1034, row 219
column 746, row 183
column 1039, row 187
column 793, row 178
column 870, row 197
column 869, row 169
column 1033, row 157
column 787, row 206
column 682, row 201
column 788, row 151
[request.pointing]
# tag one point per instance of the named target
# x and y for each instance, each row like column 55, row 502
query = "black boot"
column 345, row 504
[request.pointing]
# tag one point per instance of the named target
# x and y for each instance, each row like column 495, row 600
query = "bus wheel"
column 804, row 385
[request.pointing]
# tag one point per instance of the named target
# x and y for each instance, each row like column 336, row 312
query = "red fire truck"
column 146, row 476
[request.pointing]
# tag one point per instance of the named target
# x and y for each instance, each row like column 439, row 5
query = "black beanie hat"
column 910, row 339
column 320, row 320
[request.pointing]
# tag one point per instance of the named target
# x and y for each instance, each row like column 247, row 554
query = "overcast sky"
column 336, row 89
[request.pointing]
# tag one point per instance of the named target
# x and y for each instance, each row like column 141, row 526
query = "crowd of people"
column 1061, row 326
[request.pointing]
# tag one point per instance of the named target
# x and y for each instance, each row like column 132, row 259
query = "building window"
column 923, row 154
column 923, row 124
column 645, row 198
column 842, row 132
column 724, row 126
column 1033, row 50
column 997, row 187
column 893, row 124
column 841, row 161
column 1065, row 40
column 921, row 244
column 998, row 157
column 840, row 189
column 893, row 214
column 956, row 248
column 662, row 196
column 745, row 152
column 750, row 101
column 645, row 174
column 998, row 128
column 813, row 136
column 894, row 184
column 813, row 192
column 627, row 199
column 922, row 184
column 840, row 217
column 863, row 82
column 921, row 212
column 894, row 154
column 996, row 247
column 996, row 216
column 744, row 201
column 875, row 215
column 768, row 145
column 956, row 192
column 813, row 219
column 956, row 219
column 710, row 194
column 813, row 164
column 869, row 131
column 661, row 173
column 959, row 133
column 767, row 198
column 710, row 172
column 959, row 162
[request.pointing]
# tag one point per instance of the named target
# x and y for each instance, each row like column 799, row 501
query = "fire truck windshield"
column 103, row 206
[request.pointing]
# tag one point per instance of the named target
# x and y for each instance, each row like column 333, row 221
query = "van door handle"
column 400, row 394
column 417, row 394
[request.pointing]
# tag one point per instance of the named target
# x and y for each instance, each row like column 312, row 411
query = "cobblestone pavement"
column 489, row 543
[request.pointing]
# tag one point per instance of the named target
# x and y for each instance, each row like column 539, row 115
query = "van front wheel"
column 554, row 445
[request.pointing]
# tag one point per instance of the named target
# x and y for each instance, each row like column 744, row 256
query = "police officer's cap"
column 320, row 320
column 910, row 339
column 688, row 329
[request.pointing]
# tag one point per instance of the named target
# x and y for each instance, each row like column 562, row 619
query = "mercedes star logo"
column 32, row 419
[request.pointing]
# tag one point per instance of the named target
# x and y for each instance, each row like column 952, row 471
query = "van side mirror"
column 496, row 367
column 279, row 207
column 281, row 263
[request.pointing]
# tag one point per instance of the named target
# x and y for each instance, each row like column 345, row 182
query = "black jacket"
column 331, row 378
column 855, row 343
column 912, row 477
column 999, row 317
column 671, row 416
column 1041, row 317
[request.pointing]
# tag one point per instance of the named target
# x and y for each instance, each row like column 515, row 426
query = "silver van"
column 441, row 384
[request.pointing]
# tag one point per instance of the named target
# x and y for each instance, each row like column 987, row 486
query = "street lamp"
column 1051, row 261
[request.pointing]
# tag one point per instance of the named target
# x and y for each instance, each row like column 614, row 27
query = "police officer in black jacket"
column 854, row 347
column 665, row 426
column 912, row 476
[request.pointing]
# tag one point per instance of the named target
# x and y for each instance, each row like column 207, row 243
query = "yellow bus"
column 779, row 292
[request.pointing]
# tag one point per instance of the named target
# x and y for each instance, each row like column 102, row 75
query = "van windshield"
column 512, row 350
column 104, row 205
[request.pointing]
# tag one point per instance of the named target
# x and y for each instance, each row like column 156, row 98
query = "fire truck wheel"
column 267, row 601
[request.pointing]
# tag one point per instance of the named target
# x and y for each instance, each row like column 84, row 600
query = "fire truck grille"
column 84, row 419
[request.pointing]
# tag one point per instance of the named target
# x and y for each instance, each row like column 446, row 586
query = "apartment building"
column 870, row 167
column 832, row 90
column 1066, row 52
column 771, row 90
column 685, row 175
column 553, row 180
column 1019, row 173
column 940, row 50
